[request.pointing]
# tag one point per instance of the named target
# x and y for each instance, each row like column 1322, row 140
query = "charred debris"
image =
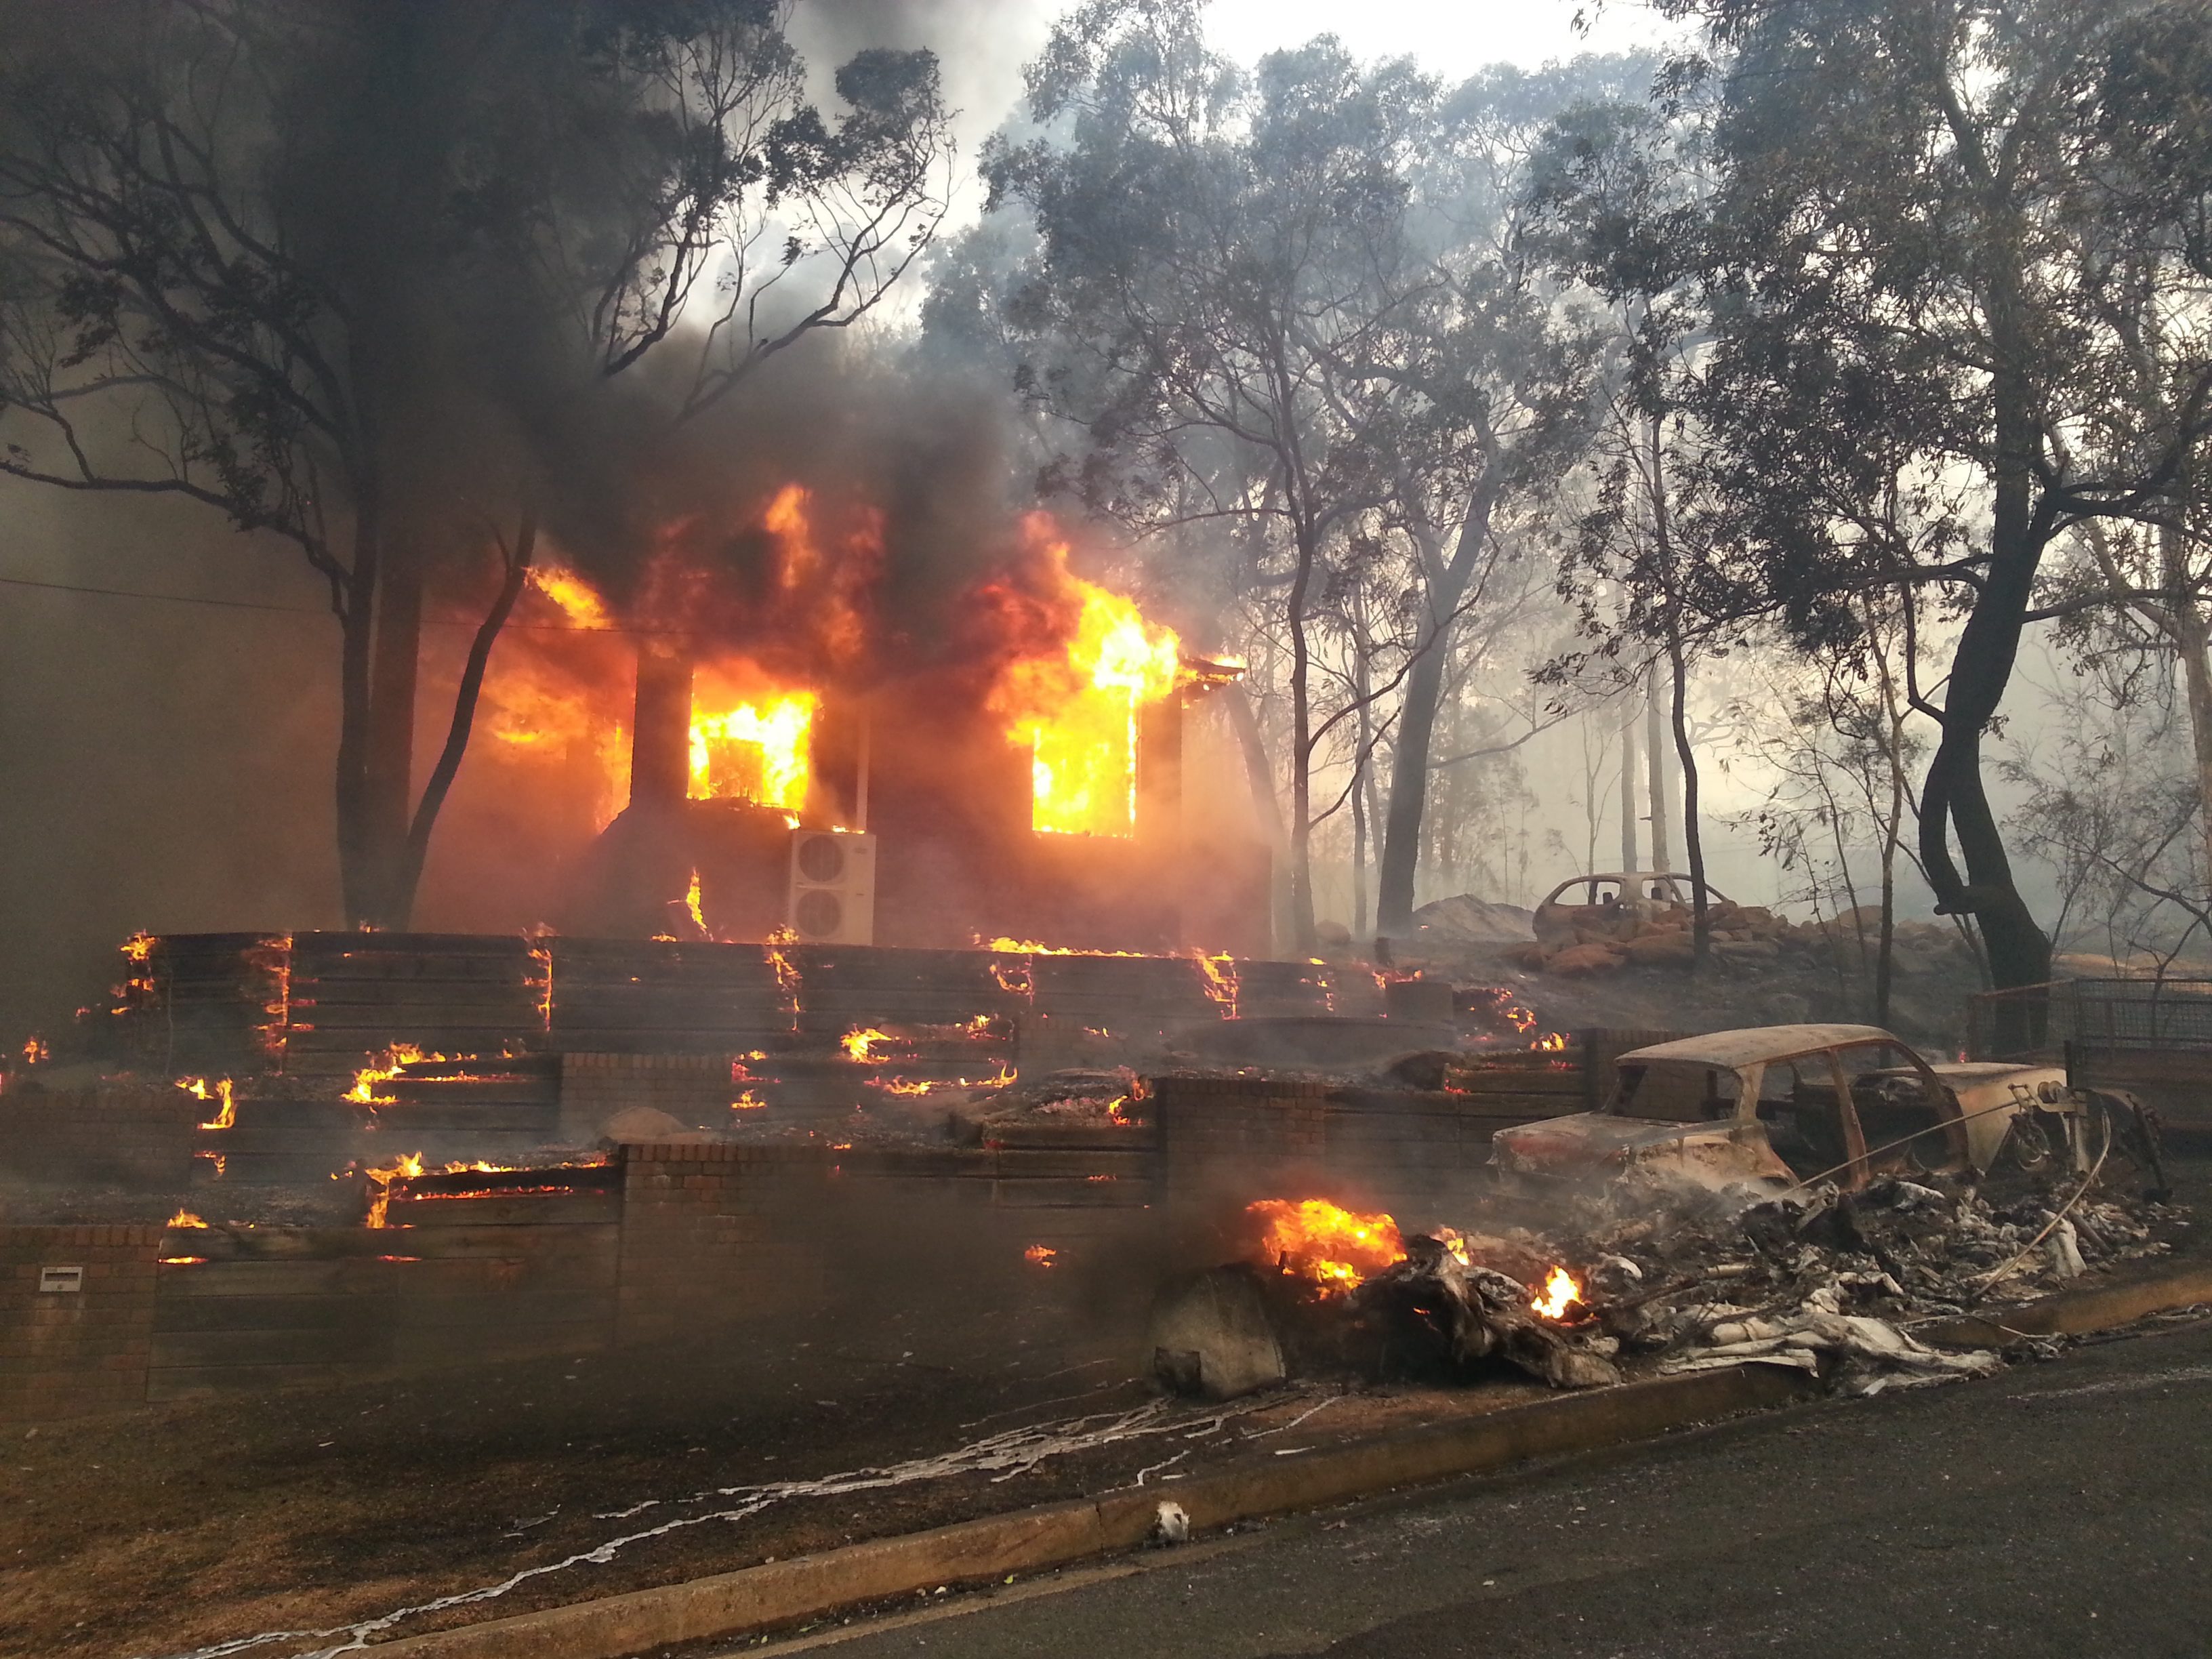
column 1649, row 1275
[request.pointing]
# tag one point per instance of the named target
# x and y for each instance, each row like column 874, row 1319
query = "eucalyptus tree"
column 1210, row 243
column 1288, row 297
column 1923, row 209
column 324, row 269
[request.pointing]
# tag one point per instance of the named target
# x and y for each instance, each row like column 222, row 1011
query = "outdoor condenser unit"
column 833, row 887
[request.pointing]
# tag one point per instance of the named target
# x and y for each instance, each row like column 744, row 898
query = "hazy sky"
column 983, row 43
column 1454, row 39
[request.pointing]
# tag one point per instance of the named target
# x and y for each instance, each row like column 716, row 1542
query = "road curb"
column 1053, row 1535
column 2078, row 1312
column 1049, row 1535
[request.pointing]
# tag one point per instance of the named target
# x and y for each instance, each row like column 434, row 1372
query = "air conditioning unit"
column 833, row 887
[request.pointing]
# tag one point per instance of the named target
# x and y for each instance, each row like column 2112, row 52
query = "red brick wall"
column 138, row 1134
column 1240, row 1135
column 714, row 1233
column 63, row 1354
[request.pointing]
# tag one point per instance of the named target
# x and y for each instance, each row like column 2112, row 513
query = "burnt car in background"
column 1788, row 1104
column 1601, row 901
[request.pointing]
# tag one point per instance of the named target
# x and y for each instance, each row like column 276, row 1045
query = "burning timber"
column 1648, row 1275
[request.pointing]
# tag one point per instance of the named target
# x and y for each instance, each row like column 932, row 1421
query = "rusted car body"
column 1603, row 900
column 1792, row 1104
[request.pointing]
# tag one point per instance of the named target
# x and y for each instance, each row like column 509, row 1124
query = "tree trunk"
column 1628, row 784
column 1362, row 756
column 1655, row 750
column 2190, row 644
column 1409, row 794
column 1693, row 837
column 1953, row 796
column 388, row 749
column 1444, row 585
column 1302, row 901
column 357, row 634
column 448, row 767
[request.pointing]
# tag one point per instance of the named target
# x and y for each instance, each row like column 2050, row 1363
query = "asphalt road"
column 2062, row 1509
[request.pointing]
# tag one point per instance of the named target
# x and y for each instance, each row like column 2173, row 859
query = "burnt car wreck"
column 1797, row 1104
column 1797, row 1196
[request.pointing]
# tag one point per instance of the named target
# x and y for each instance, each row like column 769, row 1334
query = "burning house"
column 763, row 746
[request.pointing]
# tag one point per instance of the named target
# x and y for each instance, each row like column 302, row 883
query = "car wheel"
column 2035, row 1146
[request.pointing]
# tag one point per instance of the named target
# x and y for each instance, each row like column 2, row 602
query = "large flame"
column 1076, row 709
column 548, row 699
column 1337, row 1248
column 756, row 750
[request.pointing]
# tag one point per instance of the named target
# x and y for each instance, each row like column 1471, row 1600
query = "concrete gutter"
column 2077, row 1312
column 782, row 1593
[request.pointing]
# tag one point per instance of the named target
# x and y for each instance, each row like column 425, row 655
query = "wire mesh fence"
column 2041, row 1021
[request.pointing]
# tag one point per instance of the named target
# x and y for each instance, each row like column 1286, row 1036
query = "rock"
column 1335, row 933
column 1787, row 1008
column 1588, row 958
column 1211, row 1336
column 1667, row 949
column 1747, row 949
column 648, row 1125
column 1465, row 918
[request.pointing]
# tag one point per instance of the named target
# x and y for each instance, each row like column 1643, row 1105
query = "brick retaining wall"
column 137, row 1134
column 714, row 1233
column 65, row 1352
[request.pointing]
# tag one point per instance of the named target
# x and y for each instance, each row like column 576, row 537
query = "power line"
column 301, row 611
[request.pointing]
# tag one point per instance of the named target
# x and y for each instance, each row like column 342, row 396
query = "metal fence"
column 2038, row 1022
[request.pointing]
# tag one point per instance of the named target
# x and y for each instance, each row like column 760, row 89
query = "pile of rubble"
column 1642, row 1279
column 1659, row 936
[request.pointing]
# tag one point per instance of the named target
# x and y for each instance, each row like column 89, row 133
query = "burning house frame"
column 1021, row 775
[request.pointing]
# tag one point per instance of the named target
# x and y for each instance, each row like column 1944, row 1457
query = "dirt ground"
column 179, row 1526
column 176, row 1528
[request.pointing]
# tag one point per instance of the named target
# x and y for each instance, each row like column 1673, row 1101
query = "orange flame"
column 1337, row 1248
column 755, row 749
column 387, row 1066
column 1031, row 947
column 1559, row 1293
column 1076, row 711
column 186, row 1218
column 859, row 1045
column 691, row 906
column 578, row 600
column 197, row 1089
column 542, row 955
column 1220, row 979
column 1041, row 1255
column 379, row 1196
column 35, row 1052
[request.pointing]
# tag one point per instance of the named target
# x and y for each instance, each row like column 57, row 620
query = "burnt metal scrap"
column 1667, row 1275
